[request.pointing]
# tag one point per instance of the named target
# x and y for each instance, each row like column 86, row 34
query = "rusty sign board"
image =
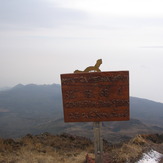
column 95, row 96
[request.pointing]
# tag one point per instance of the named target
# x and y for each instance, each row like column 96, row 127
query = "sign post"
column 96, row 97
column 98, row 142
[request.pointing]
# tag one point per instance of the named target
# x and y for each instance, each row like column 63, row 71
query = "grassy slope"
column 47, row 148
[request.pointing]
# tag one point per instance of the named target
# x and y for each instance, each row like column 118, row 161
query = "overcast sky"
column 41, row 39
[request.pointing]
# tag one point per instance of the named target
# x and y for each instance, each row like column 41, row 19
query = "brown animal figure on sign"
column 94, row 68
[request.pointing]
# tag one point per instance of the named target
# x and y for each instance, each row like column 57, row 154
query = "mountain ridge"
column 36, row 108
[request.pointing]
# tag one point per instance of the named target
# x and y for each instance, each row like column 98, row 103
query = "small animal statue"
column 94, row 68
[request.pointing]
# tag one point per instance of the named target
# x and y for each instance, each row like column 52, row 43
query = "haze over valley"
column 42, row 39
column 37, row 109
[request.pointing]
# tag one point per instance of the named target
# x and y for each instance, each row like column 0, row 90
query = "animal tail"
column 77, row 71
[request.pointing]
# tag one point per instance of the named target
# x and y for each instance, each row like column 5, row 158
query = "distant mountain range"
column 38, row 108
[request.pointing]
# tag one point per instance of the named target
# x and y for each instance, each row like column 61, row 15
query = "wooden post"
column 98, row 142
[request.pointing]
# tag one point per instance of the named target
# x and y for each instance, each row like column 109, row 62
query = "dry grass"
column 65, row 148
column 30, row 155
column 34, row 157
column 45, row 149
column 129, row 151
column 139, row 140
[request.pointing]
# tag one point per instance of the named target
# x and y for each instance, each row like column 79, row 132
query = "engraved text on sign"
column 96, row 96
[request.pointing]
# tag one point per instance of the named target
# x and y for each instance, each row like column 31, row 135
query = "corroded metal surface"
column 95, row 96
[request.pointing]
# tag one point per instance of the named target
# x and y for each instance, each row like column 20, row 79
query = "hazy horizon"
column 41, row 39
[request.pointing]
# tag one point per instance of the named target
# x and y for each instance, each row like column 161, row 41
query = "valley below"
column 36, row 109
column 31, row 117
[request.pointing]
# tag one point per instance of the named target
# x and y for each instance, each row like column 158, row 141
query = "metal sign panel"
column 95, row 96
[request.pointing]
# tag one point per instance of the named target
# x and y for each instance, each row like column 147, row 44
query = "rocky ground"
column 66, row 148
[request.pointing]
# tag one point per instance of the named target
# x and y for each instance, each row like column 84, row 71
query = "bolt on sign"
column 95, row 96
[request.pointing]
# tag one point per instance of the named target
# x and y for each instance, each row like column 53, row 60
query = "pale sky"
column 41, row 39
